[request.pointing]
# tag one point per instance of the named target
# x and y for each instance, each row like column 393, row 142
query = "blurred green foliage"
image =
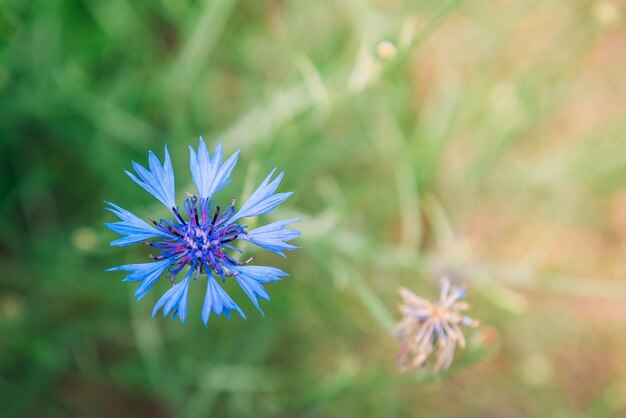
column 483, row 140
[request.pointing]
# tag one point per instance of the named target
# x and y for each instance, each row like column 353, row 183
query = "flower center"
column 201, row 238
column 439, row 312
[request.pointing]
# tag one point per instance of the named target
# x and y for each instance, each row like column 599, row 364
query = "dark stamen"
column 217, row 213
column 180, row 218
column 195, row 213
column 174, row 231
column 229, row 239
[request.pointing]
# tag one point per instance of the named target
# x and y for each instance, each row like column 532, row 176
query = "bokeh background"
column 485, row 140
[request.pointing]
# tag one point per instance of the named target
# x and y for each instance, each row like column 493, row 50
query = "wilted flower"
column 432, row 328
column 203, row 241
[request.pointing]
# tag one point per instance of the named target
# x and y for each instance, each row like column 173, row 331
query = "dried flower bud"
column 432, row 329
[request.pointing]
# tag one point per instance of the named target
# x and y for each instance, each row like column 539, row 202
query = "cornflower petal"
column 134, row 228
column 210, row 174
column 147, row 273
column 263, row 200
column 175, row 298
column 262, row 274
column 253, row 289
column 216, row 300
column 272, row 237
column 250, row 278
column 159, row 180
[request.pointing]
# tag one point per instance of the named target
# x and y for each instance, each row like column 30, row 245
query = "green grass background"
column 489, row 145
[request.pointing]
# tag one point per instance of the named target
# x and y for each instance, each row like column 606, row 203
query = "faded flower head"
column 202, row 241
column 432, row 329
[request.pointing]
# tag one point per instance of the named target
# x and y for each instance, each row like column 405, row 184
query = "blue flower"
column 202, row 242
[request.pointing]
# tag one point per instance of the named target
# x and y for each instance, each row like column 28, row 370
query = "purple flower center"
column 202, row 240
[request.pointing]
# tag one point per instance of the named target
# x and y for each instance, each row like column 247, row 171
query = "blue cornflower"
column 202, row 242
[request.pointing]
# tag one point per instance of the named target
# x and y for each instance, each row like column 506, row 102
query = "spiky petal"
column 159, row 180
column 175, row 300
column 217, row 301
column 250, row 278
column 210, row 174
column 263, row 200
column 273, row 237
column 146, row 273
column 132, row 227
